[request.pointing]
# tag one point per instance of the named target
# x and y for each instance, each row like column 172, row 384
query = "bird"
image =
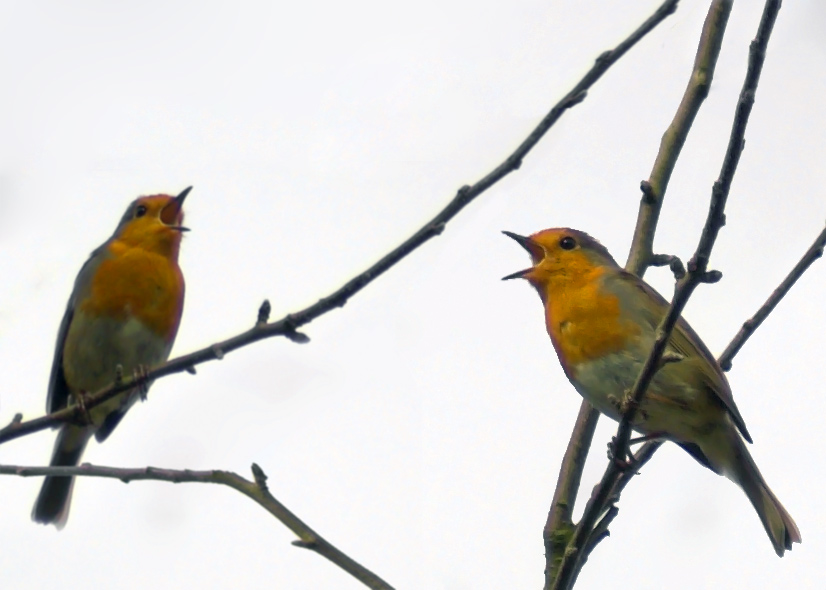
column 122, row 318
column 602, row 321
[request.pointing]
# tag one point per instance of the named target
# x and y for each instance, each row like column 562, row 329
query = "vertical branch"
column 575, row 554
column 559, row 525
column 671, row 145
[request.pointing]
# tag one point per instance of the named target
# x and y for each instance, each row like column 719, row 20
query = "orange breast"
column 137, row 283
column 583, row 320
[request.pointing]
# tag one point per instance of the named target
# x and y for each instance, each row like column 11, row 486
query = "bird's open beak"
column 172, row 212
column 180, row 198
column 528, row 245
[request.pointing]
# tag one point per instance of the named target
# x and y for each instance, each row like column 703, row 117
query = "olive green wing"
column 58, row 396
column 685, row 341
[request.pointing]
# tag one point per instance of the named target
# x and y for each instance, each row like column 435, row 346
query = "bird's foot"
column 623, row 460
column 141, row 382
column 646, row 438
column 83, row 416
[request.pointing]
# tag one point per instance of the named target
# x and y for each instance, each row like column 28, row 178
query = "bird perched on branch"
column 602, row 322
column 122, row 318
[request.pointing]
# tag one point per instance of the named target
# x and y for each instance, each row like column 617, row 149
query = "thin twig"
column 256, row 490
column 289, row 325
column 671, row 144
column 575, row 555
column 812, row 254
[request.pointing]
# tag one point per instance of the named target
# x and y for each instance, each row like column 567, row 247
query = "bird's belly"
column 95, row 346
column 671, row 406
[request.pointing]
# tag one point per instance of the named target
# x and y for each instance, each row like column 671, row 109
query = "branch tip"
column 711, row 276
column 297, row 337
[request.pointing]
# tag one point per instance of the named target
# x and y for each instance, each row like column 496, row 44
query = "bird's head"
column 154, row 223
column 560, row 254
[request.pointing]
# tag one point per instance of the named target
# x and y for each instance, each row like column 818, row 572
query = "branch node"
column 464, row 193
column 649, row 197
column 260, row 477
column 297, row 337
column 579, row 97
column 437, row 228
column 264, row 313
column 673, row 262
column 293, row 335
column 677, row 268
column 712, row 276
column 190, row 369
column 216, row 350
column 118, row 374
column 605, row 56
column 311, row 545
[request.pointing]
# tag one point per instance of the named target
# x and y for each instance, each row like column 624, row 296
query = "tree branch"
column 671, row 145
column 559, row 526
column 813, row 253
column 289, row 325
column 575, row 555
column 256, row 490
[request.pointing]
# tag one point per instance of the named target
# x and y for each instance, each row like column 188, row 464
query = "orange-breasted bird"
column 602, row 322
column 124, row 312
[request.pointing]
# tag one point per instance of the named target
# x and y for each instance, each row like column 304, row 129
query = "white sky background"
column 422, row 428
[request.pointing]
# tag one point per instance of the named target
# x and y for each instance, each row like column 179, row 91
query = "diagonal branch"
column 814, row 252
column 289, row 325
column 256, row 490
column 574, row 555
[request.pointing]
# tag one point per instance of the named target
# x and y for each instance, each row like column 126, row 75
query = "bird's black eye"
column 567, row 243
column 140, row 210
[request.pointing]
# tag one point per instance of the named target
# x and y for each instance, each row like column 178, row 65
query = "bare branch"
column 289, row 325
column 812, row 254
column 671, row 145
column 640, row 257
column 575, row 553
column 559, row 527
column 256, row 490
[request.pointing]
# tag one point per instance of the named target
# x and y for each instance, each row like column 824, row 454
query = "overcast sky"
column 422, row 428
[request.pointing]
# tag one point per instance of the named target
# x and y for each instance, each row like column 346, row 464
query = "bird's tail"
column 52, row 505
column 778, row 523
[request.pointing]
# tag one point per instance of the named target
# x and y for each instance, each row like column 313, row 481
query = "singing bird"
column 124, row 312
column 602, row 322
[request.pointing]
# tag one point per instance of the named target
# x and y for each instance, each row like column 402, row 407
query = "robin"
column 122, row 317
column 602, row 322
